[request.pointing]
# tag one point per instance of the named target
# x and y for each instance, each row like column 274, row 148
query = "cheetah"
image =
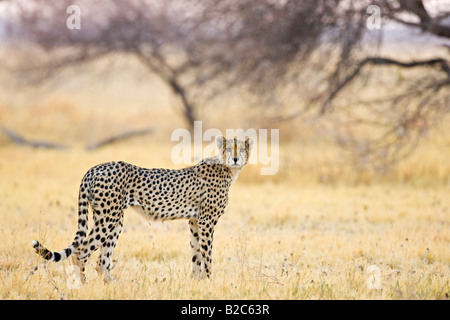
column 198, row 193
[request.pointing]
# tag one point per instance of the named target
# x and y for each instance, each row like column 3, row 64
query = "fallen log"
column 18, row 139
column 122, row 136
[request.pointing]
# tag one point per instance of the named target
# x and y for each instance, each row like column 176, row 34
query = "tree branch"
column 170, row 76
column 440, row 62
column 427, row 22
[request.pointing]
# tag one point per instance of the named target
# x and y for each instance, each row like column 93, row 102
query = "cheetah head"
column 233, row 152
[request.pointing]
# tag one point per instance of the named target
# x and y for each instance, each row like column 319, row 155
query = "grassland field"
column 313, row 231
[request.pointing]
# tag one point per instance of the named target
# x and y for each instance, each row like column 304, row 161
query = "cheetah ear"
column 249, row 143
column 220, row 140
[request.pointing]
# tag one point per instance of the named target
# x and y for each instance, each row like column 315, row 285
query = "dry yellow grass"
column 310, row 232
column 277, row 240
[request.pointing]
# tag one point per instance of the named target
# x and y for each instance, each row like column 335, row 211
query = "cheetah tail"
column 52, row 255
column 83, row 206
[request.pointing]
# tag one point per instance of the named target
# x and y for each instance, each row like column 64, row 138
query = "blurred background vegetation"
column 355, row 87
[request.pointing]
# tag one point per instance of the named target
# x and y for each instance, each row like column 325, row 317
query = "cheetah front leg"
column 206, row 232
column 196, row 261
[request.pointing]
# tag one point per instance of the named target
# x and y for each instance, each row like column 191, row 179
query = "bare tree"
column 317, row 55
column 158, row 34
column 322, row 52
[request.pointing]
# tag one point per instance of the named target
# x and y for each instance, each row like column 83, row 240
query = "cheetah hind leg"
column 78, row 268
column 103, row 266
column 107, row 277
